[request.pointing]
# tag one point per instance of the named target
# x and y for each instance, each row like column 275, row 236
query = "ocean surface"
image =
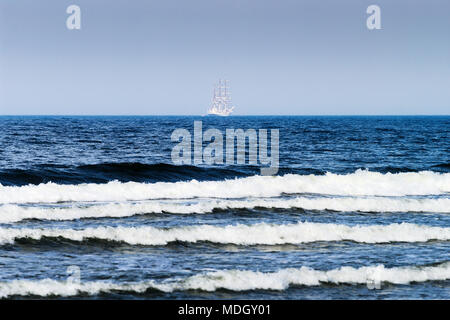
column 94, row 208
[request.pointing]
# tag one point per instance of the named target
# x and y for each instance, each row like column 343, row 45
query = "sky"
column 282, row 57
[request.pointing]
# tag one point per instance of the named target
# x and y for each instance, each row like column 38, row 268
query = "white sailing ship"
column 221, row 102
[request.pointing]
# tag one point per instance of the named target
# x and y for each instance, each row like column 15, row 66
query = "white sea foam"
column 360, row 182
column 13, row 213
column 261, row 233
column 240, row 280
column 236, row 280
column 50, row 287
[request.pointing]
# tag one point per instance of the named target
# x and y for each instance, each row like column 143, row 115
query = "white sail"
column 221, row 102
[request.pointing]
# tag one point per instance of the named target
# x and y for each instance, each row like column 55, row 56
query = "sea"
column 93, row 207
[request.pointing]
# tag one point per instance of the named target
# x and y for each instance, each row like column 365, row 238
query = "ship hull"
column 217, row 115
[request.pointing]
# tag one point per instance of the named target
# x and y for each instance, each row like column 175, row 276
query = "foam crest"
column 50, row 287
column 360, row 182
column 257, row 234
column 14, row 213
column 236, row 280
column 241, row 280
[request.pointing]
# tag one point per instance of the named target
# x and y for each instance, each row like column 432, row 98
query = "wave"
column 162, row 172
column 120, row 171
column 14, row 213
column 442, row 167
column 236, row 280
column 135, row 171
column 256, row 234
column 359, row 183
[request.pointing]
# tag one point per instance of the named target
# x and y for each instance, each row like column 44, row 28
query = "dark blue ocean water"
column 359, row 209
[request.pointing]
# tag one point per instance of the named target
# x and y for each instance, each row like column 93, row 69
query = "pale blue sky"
column 281, row 57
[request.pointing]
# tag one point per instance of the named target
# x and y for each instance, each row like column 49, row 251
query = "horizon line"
column 237, row 115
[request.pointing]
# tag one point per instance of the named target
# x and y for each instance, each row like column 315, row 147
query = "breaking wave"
column 236, row 280
column 256, row 234
column 121, row 171
column 359, row 183
column 13, row 213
